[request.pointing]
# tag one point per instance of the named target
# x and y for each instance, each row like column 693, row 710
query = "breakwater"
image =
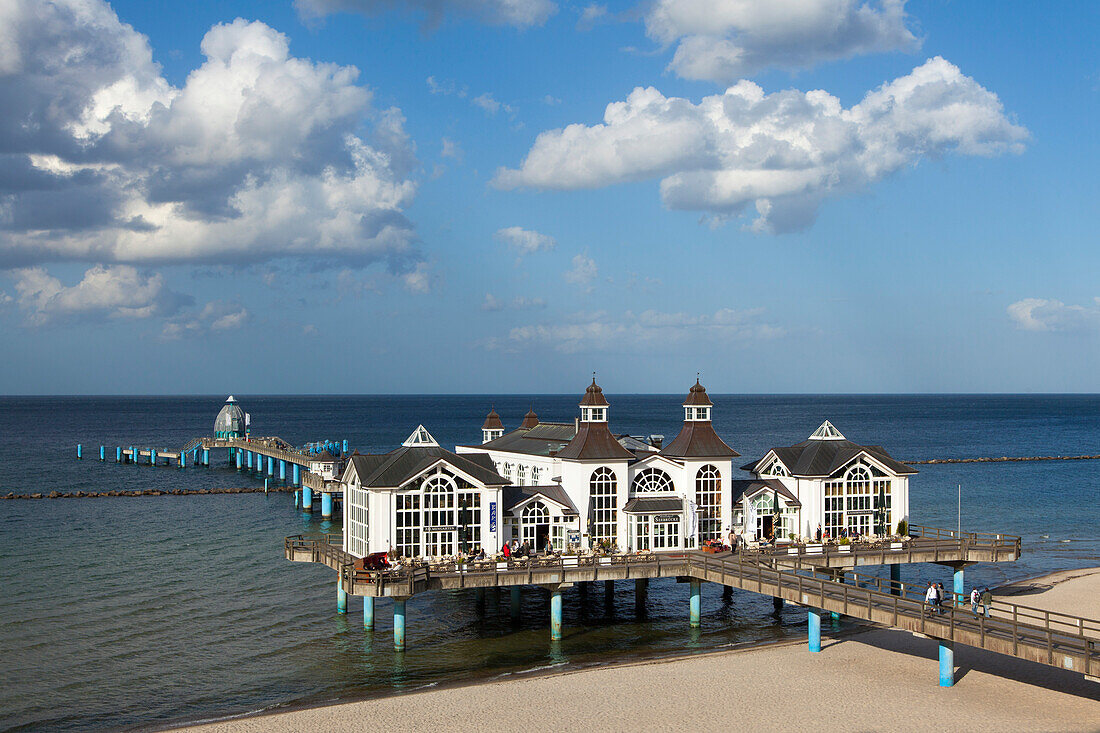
column 145, row 492
column 1003, row 459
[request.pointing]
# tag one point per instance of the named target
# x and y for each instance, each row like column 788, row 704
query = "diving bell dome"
column 230, row 422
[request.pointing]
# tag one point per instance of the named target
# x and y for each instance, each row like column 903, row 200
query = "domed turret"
column 493, row 428
column 530, row 420
column 231, row 421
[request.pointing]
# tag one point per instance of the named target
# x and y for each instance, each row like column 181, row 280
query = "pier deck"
column 1065, row 641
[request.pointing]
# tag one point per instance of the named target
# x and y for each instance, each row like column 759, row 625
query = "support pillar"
column 641, row 591
column 345, row 445
column 152, row 456
column 814, row 626
column 79, row 451
column 206, row 457
column 118, row 454
column 895, row 580
column 368, row 613
column 555, row 615
column 696, row 602
column 133, row 455
column 297, row 498
column 271, row 466
column 515, row 602
column 282, row 470
column 102, row 453
column 727, row 592
column 296, row 476
column 777, row 604
column 248, row 459
column 240, row 459
column 399, row 624
column 326, row 505
column 609, row 595
column 957, row 587
column 183, row 459
column 947, row 663
column 341, row 596
column 307, row 499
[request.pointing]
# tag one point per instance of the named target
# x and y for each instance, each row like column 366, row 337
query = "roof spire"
column 827, row 432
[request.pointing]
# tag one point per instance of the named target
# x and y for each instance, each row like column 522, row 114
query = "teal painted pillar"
column 895, row 579
column 515, row 605
column 695, row 602
column 341, row 596
column 240, row 459
column 206, row 456
column 79, row 451
column 297, row 497
column 307, row 499
column 133, row 455
column 248, row 459
column 282, row 470
column 958, row 588
column 947, row 663
column 555, row 615
column 368, row 613
column 118, row 454
column 814, row 624
column 399, row 624
column 152, row 456
column 345, row 445
column 270, row 466
column 183, row 459
column 326, row 505
column 297, row 476
column 102, row 453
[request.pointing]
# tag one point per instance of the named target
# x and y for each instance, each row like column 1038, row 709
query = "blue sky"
column 344, row 196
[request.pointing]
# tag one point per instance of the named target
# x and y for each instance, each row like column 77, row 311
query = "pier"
column 816, row 578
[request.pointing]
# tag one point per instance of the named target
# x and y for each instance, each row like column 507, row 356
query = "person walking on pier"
column 975, row 599
column 931, row 598
column 941, row 599
column 987, row 601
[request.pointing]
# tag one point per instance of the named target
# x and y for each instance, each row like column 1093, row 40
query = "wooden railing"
column 976, row 539
column 926, row 539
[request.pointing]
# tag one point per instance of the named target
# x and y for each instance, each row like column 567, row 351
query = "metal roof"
column 819, row 458
column 697, row 439
column 397, row 467
column 753, row 487
column 515, row 495
column 653, row 505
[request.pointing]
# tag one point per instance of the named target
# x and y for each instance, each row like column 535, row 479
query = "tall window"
column 708, row 498
column 439, row 516
column 602, row 487
column 666, row 535
column 469, row 521
column 849, row 501
column 408, row 525
column 652, row 479
column 358, row 536
column 521, row 474
column 534, row 514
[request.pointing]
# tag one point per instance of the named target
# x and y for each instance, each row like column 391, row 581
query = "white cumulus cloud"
column 1040, row 314
column 259, row 155
column 637, row 331
column 118, row 291
column 519, row 13
column 525, row 241
column 582, row 272
column 782, row 152
column 725, row 40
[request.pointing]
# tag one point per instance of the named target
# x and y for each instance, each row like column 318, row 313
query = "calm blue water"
column 142, row 611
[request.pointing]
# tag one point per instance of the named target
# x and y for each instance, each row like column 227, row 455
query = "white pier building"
column 576, row 486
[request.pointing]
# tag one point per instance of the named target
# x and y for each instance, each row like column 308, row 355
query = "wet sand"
column 879, row 679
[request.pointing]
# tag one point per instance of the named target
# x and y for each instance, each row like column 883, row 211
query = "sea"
column 146, row 612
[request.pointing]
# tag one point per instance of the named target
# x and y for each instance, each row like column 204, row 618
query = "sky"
column 505, row 196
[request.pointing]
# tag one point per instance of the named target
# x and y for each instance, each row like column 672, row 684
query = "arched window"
column 603, row 488
column 848, row 502
column 652, row 479
column 775, row 468
column 708, row 498
column 535, row 515
column 439, row 511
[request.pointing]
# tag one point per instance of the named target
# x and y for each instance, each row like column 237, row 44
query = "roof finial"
column 593, row 377
column 697, row 374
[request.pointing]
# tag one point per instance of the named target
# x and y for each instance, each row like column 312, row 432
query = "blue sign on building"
column 492, row 516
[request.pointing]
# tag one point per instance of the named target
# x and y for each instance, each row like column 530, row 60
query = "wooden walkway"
column 268, row 447
column 1060, row 640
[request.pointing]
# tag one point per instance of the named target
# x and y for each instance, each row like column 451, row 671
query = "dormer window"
column 696, row 413
column 594, row 414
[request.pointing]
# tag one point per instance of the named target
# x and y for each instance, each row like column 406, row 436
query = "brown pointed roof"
column 594, row 441
column 492, row 421
column 530, row 420
column 593, row 396
column 697, row 438
column 697, row 396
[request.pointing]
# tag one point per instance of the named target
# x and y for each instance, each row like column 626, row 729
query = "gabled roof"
column 397, row 467
column 513, row 496
column 536, row 441
column 595, row 442
column 753, row 487
column 824, row 456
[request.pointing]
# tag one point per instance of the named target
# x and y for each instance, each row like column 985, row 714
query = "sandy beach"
column 879, row 679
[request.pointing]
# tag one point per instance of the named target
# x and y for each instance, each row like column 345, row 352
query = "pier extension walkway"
column 1060, row 640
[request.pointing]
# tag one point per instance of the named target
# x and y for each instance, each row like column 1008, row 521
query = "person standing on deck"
column 987, row 601
column 975, row 599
